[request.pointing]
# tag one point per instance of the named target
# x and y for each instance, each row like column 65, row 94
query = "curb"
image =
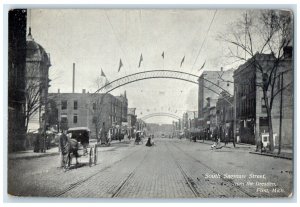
column 272, row 155
column 33, row 156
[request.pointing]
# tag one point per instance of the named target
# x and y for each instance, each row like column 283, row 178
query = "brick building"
column 131, row 119
column 251, row 112
column 81, row 110
column 16, row 78
column 225, row 117
column 37, row 82
column 211, row 84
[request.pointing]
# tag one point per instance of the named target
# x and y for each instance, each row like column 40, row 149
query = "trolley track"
column 128, row 178
column 189, row 181
column 78, row 183
column 214, row 171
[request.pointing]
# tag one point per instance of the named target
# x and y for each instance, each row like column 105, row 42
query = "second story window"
column 64, row 105
column 75, row 117
column 263, row 106
column 75, row 105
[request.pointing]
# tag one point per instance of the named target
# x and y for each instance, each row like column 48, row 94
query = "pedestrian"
column 149, row 144
column 36, row 143
column 109, row 135
column 226, row 136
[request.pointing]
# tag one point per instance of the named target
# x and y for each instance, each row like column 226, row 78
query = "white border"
column 132, row 4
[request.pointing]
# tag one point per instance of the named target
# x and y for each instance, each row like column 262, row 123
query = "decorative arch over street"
column 156, row 74
column 148, row 116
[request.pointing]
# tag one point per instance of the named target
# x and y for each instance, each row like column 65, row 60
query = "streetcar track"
column 189, row 181
column 214, row 171
column 124, row 182
column 74, row 185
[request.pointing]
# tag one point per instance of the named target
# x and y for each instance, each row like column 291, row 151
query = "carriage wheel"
column 95, row 155
column 90, row 157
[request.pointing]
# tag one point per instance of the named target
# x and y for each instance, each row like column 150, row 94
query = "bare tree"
column 97, row 109
column 262, row 32
column 33, row 95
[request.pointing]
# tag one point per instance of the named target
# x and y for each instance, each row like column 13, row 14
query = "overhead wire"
column 204, row 40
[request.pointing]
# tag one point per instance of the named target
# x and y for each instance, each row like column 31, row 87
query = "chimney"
column 73, row 89
column 83, row 90
column 222, row 69
column 58, row 90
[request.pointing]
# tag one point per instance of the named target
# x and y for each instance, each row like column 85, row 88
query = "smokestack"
column 83, row 90
column 58, row 91
column 73, row 78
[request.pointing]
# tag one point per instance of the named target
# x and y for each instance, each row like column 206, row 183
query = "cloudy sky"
column 95, row 39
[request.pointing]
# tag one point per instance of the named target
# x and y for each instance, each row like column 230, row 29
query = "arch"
column 156, row 74
column 148, row 116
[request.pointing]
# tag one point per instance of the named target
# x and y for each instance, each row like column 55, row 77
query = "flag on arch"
column 182, row 61
column 102, row 73
column 202, row 65
column 120, row 65
column 163, row 55
column 141, row 59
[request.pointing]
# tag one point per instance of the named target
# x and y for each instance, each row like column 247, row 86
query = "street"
column 172, row 168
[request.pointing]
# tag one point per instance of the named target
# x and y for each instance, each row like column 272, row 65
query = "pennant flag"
column 202, row 65
column 182, row 61
column 106, row 82
column 163, row 55
column 120, row 65
column 102, row 73
column 141, row 59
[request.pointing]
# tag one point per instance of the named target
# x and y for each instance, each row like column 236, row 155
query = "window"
column 94, row 106
column 75, row 117
column 64, row 120
column 64, row 105
column 75, row 105
column 263, row 106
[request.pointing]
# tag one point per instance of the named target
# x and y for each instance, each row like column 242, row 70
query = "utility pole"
column 234, row 116
column 280, row 116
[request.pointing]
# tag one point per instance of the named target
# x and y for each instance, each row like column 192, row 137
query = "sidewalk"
column 285, row 153
column 29, row 154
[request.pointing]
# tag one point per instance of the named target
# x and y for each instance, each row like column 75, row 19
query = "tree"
column 98, row 102
column 33, row 95
column 52, row 113
column 259, row 33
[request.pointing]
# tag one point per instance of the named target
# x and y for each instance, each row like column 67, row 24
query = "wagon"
column 87, row 151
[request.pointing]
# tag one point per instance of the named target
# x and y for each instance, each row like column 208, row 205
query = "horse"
column 68, row 146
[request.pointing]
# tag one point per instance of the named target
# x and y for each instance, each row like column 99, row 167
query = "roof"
column 79, row 128
column 35, row 52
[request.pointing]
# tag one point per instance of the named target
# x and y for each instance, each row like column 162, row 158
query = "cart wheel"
column 90, row 157
column 95, row 155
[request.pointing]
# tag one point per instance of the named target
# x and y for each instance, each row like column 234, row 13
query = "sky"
column 97, row 39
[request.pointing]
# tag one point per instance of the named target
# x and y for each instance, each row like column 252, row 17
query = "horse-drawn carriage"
column 77, row 143
column 138, row 138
